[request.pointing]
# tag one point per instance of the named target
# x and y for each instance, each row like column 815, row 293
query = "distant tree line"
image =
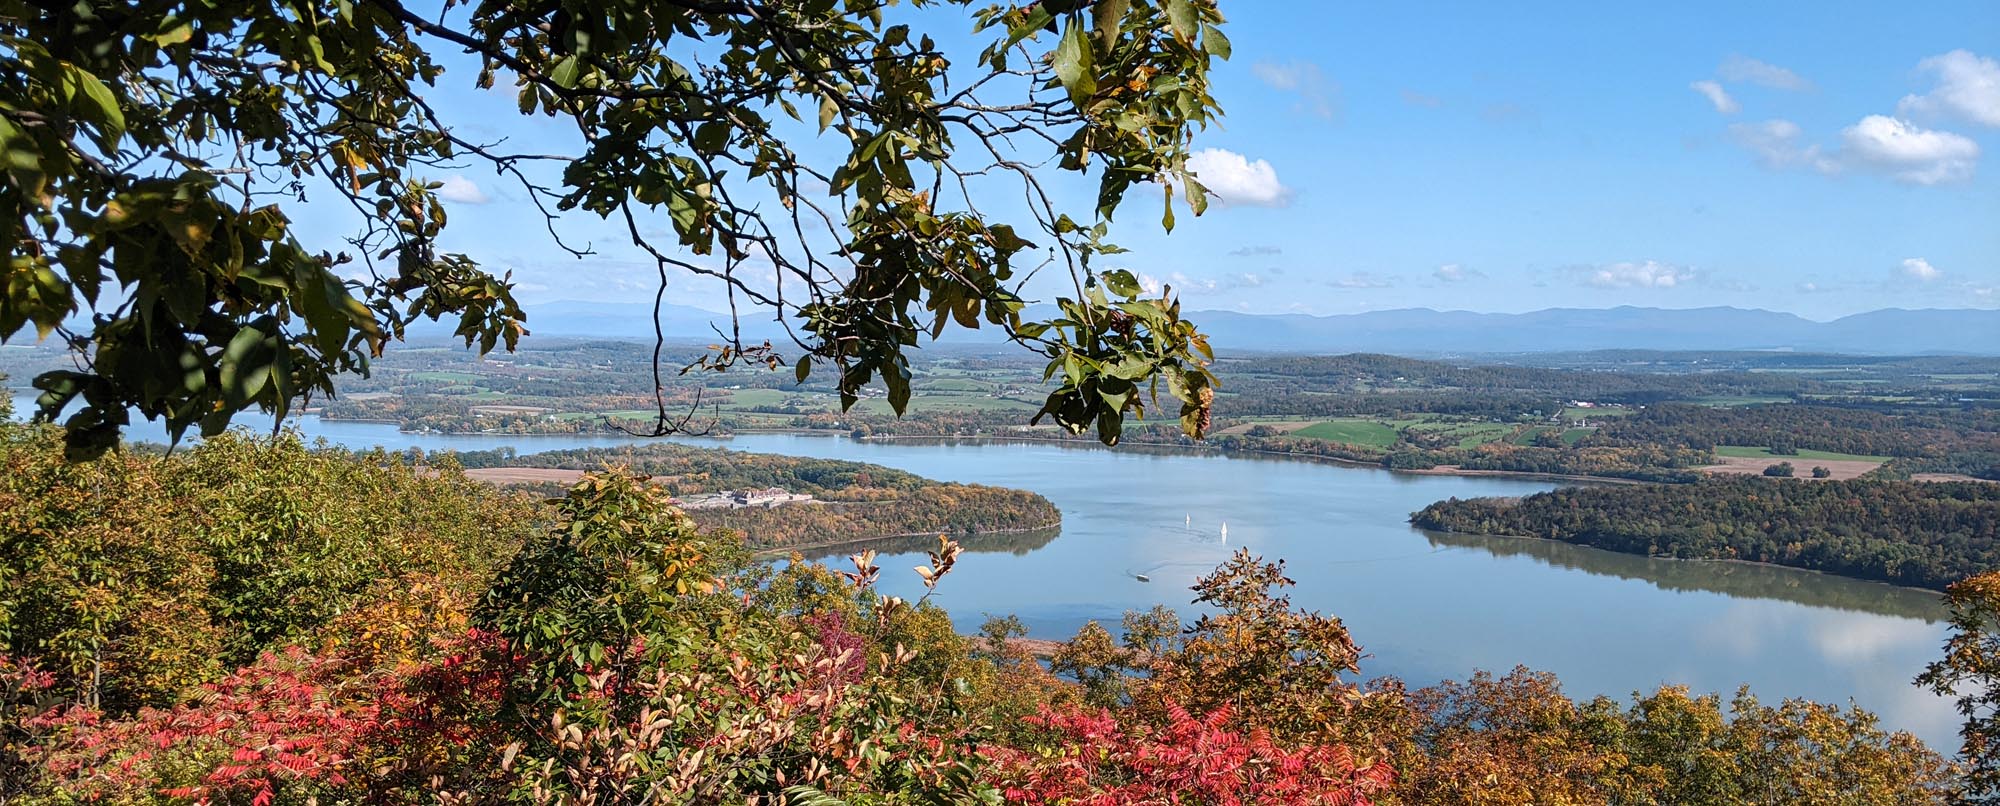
column 1787, row 429
column 1908, row 533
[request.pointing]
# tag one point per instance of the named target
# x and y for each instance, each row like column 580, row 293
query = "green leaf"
column 99, row 104
column 1122, row 283
column 803, row 368
column 1074, row 64
column 1214, row 42
column 1180, row 14
column 828, row 110
column 564, row 74
column 246, row 367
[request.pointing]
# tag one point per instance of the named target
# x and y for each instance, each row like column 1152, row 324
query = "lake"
column 1425, row 606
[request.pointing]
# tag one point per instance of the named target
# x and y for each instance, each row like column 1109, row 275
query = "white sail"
column 1225, row 531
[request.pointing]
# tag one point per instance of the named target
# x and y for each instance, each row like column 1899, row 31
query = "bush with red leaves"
column 1088, row 757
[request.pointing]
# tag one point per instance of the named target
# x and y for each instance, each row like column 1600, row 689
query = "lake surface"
column 1425, row 606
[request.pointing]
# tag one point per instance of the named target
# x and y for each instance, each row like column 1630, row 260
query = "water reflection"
column 1731, row 579
column 1426, row 606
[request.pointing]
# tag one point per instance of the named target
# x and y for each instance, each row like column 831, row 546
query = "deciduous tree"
column 159, row 153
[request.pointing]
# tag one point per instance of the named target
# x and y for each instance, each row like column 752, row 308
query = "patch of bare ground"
column 1286, row 426
column 523, row 475
column 1948, row 477
column 1842, row 469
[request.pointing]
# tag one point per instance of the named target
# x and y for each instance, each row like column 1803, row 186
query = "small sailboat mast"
column 1225, row 531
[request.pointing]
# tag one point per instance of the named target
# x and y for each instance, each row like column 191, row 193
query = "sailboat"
column 1225, row 531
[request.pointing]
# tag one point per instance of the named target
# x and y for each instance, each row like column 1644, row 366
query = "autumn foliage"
column 614, row 653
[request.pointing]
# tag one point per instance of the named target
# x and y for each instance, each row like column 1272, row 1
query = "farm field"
column 1581, row 413
column 1841, row 469
column 1352, row 432
column 1749, row 452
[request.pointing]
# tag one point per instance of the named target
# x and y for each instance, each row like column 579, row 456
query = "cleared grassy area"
column 444, row 377
column 1577, row 413
column 758, row 397
column 1482, row 434
column 1352, row 432
column 948, row 401
column 1740, row 400
column 1571, row 436
column 1748, row 452
column 953, row 385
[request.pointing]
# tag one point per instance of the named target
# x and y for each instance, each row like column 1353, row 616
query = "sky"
column 1821, row 159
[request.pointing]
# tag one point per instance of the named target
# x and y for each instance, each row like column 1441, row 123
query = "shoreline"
column 1440, row 470
column 1717, row 560
column 851, row 541
column 1191, row 450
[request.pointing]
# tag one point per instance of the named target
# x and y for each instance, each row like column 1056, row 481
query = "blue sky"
column 1822, row 158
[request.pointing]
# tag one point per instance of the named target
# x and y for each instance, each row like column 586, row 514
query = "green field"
column 1468, row 434
column 1352, row 432
column 1747, row 452
column 945, row 402
column 743, row 398
column 1740, row 400
column 1571, row 436
column 1576, row 413
column 953, row 385
column 445, row 377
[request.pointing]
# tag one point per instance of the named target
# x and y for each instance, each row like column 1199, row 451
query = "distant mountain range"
column 1421, row 331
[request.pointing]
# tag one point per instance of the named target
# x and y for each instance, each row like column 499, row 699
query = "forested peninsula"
column 824, row 501
column 1908, row 533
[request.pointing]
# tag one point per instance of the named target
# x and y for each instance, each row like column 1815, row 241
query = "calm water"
column 1426, row 606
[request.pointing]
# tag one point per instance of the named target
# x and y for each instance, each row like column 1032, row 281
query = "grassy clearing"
column 945, row 402
column 1571, row 436
column 1578, row 413
column 1727, row 401
column 757, row 397
column 1352, row 432
column 444, row 377
column 954, row 385
column 1478, row 434
column 1748, row 452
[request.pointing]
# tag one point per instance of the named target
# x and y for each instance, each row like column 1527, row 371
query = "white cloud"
column 1740, row 68
column 1318, row 95
column 1968, row 88
column 1921, row 270
column 1809, row 288
column 1908, row 153
column 1878, row 143
column 1228, row 282
column 1256, row 250
column 1718, row 96
column 1415, row 98
column 459, row 189
column 1776, row 144
column 1454, row 273
column 1237, row 180
column 1361, row 279
column 1647, row 274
